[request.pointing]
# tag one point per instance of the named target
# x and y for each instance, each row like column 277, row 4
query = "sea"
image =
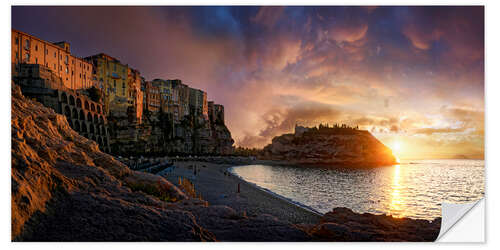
column 413, row 188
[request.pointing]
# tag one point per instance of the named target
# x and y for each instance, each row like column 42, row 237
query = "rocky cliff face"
column 160, row 136
column 329, row 146
column 65, row 189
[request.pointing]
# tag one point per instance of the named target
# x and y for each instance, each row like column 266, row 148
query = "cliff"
column 159, row 135
column 329, row 146
column 65, row 189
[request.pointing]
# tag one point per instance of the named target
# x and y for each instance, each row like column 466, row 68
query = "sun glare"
column 397, row 148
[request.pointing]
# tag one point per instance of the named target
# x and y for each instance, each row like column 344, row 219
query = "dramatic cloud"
column 405, row 73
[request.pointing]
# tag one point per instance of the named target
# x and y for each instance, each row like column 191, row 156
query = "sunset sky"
column 413, row 76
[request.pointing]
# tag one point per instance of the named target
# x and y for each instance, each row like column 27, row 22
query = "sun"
column 397, row 148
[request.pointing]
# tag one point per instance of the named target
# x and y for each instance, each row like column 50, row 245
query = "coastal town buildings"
column 105, row 100
column 183, row 94
column 198, row 102
column 152, row 100
column 175, row 98
column 215, row 113
column 114, row 76
column 165, row 88
column 135, row 96
column 75, row 73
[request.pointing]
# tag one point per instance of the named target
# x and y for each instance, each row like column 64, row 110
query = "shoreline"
column 227, row 164
column 218, row 186
column 292, row 202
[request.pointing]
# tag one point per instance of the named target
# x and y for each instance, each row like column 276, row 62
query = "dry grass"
column 153, row 190
column 188, row 187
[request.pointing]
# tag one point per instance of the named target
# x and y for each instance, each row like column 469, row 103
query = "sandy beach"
column 218, row 187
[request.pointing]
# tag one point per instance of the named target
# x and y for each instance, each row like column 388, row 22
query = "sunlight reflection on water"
column 411, row 189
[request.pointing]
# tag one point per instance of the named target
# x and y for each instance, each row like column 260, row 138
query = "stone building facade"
column 112, row 76
column 151, row 97
column 75, row 73
column 135, row 93
column 84, row 115
column 198, row 102
column 215, row 113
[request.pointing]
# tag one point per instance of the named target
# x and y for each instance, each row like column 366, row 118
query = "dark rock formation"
column 159, row 135
column 342, row 224
column 330, row 147
column 65, row 189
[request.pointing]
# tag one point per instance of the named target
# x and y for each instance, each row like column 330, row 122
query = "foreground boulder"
column 342, row 224
column 65, row 189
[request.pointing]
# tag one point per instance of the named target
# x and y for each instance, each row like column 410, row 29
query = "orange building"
column 135, row 92
column 152, row 94
column 74, row 72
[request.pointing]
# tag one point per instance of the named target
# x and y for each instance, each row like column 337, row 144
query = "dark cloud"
column 278, row 122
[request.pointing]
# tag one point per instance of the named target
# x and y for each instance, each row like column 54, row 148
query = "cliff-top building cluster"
column 123, row 88
column 123, row 92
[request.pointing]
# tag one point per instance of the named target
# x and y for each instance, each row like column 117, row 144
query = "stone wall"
column 83, row 115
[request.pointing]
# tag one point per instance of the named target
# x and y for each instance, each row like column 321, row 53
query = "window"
column 17, row 40
column 36, row 60
column 36, row 47
column 72, row 72
column 80, row 75
column 55, row 54
column 60, row 68
column 46, row 64
column 27, row 57
column 114, row 83
column 67, row 59
column 27, row 44
column 46, row 51
column 67, row 70
column 55, row 66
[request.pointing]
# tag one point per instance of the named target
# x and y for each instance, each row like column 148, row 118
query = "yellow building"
column 112, row 76
column 74, row 72
column 165, row 88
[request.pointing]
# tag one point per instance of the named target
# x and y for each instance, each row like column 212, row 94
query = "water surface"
column 412, row 189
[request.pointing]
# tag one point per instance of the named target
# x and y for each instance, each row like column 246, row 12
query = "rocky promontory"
column 329, row 146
